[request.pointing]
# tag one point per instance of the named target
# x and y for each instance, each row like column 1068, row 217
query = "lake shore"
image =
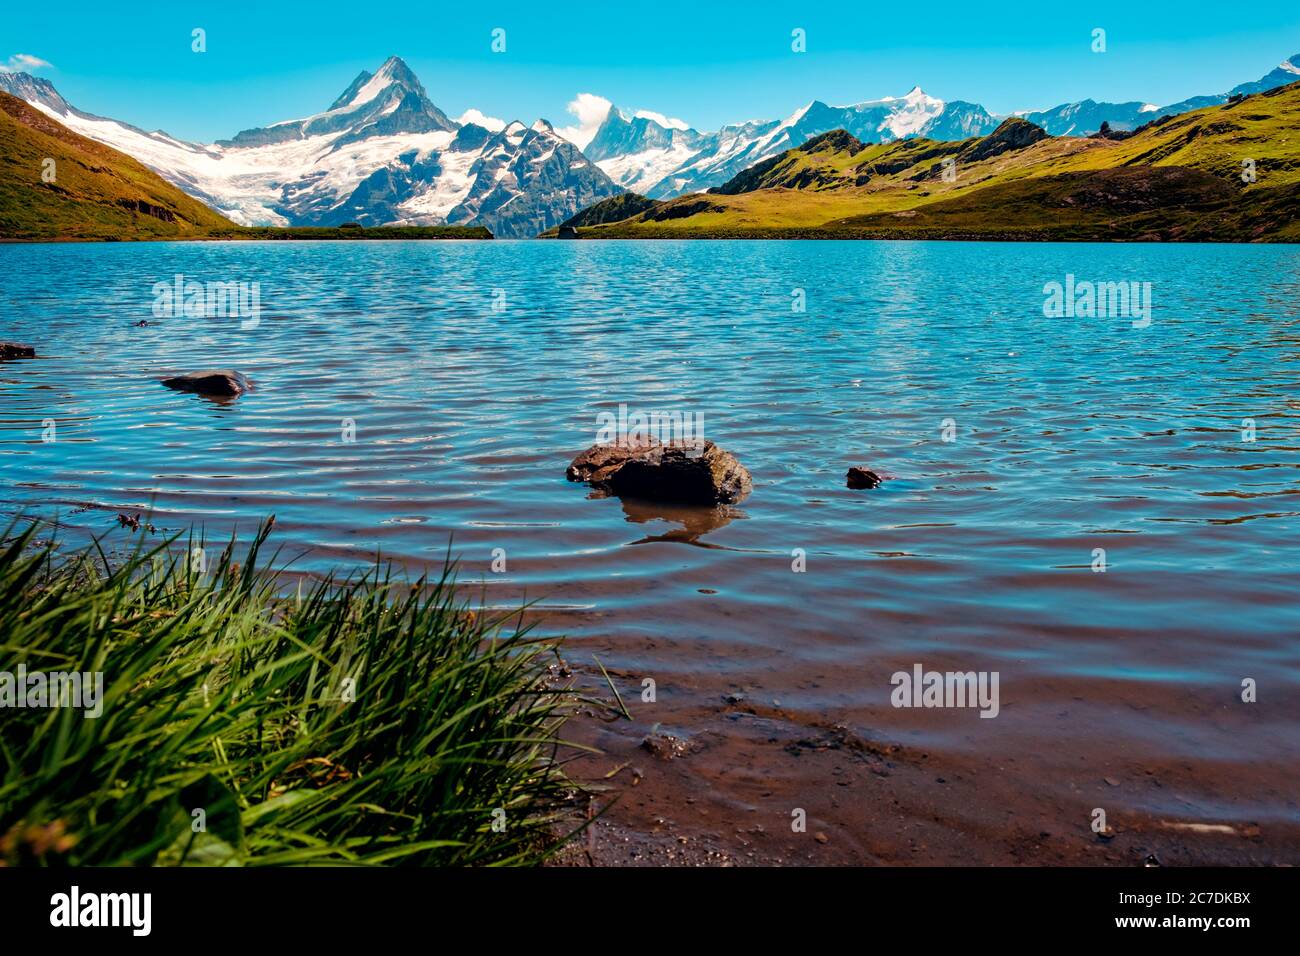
column 710, row 773
column 713, row 776
column 287, row 233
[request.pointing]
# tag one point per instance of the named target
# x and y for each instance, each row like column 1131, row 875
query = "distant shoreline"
column 802, row 235
column 289, row 234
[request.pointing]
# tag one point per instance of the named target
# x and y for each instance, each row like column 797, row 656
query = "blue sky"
column 702, row 61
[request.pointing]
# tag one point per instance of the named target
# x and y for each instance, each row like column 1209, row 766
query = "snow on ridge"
column 247, row 182
column 373, row 87
column 641, row 171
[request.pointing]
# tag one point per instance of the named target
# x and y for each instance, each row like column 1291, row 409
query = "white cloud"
column 490, row 123
column 23, row 63
column 664, row 121
column 590, row 111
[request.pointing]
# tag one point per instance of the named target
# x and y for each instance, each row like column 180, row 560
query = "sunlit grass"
column 373, row 721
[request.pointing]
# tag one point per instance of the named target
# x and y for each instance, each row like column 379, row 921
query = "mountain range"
column 660, row 162
column 384, row 153
column 1229, row 172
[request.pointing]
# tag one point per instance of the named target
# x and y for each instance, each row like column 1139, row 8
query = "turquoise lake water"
column 1021, row 447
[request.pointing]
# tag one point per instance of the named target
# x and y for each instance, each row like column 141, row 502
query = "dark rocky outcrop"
column 663, row 472
column 614, row 209
column 839, row 140
column 1013, row 134
column 1138, row 189
column 16, row 350
column 568, row 232
column 148, row 209
column 222, row 383
column 679, row 209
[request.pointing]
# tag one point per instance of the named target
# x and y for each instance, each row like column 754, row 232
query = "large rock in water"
column 13, row 350
column 673, row 472
column 221, row 382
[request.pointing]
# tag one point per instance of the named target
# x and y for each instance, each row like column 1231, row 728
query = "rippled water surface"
column 1071, row 435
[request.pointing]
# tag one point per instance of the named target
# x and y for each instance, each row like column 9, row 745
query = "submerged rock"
column 665, row 746
column 13, row 350
column 687, row 473
column 223, row 382
column 859, row 477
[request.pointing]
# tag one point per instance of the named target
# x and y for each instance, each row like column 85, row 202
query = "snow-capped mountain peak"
column 393, row 73
column 647, row 157
column 389, row 101
column 382, row 153
column 35, row 90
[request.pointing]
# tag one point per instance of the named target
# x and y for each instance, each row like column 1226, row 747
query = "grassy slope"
column 1183, row 182
column 100, row 193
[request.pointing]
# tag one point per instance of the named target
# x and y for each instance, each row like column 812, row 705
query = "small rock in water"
column 859, row 477
column 224, row 382
column 681, row 472
column 134, row 523
column 16, row 350
column 665, row 746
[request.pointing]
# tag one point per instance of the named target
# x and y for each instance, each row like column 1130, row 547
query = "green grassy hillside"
column 1178, row 179
column 96, row 192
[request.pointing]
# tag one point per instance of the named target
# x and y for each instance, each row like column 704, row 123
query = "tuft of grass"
column 372, row 720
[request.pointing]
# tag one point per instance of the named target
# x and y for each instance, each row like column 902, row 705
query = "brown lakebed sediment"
column 711, row 776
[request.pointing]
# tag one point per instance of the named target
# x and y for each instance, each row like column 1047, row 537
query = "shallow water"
column 1070, row 435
